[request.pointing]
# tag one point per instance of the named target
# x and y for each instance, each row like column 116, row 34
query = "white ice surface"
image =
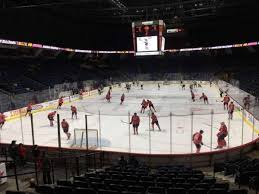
column 116, row 136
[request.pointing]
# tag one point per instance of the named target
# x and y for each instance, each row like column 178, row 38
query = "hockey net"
column 80, row 140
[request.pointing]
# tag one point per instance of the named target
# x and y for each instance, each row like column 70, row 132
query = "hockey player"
column 223, row 132
column 60, row 102
column 29, row 109
column 193, row 96
column 108, row 96
column 205, row 98
column 150, row 104
column 65, row 127
column 81, row 94
column 2, row 120
column 247, row 102
column 144, row 105
column 74, row 111
column 158, row 86
column 183, row 86
column 141, row 86
column 231, row 109
column 154, row 121
column 51, row 117
column 225, row 101
column 221, row 93
column 135, row 120
column 197, row 140
column 122, row 98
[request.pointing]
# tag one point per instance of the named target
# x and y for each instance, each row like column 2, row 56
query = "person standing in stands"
column 13, row 150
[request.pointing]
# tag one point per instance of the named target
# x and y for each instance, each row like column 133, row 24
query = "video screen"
column 147, row 44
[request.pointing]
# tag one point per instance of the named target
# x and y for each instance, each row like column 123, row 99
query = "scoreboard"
column 148, row 37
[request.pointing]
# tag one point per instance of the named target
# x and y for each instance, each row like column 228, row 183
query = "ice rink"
column 114, row 133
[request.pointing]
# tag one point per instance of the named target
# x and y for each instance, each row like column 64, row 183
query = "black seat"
column 138, row 189
column 203, row 186
column 221, row 185
column 117, row 187
column 156, row 190
column 217, row 191
column 238, row 191
column 162, row 179
column 147, row 184
column 198, row 191
column 102, row 191
column 129, row 192
column 193, row 180
column 45, row 189
column 178, row 180
column 176, row 191
column 147, row 178
column 85, row 191
column 96, row 186
column 63, row 190
column 187, row 186
column 63, row 182
column 15, row 192
column 165, row 184
column 209, row 180
column 80, row 184
column 128, row 183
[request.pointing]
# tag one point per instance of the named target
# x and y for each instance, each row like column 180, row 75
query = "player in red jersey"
column 247, row 102
column 205, row 98
column 150, row 104
column 81, row 94
column 65, row 127
column 223, row 132
column 193, row 96
column 231, row 109
column 29, row 109
column 108, row 96
column 135, row 120
column 225, row 101
column 51, row 117
column 154, row 121
column 2, row 120
column 60, row 102
column 197, row 140
column 122, row 98
column 144, row 105
column 74, row 111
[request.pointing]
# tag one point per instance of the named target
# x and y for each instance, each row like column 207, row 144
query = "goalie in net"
column 86, row 139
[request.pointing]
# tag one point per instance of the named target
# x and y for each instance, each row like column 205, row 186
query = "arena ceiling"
column 173, row 12
column 94, row 24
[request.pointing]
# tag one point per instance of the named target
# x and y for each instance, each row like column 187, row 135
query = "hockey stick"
column 125, row 122
column 208, row 146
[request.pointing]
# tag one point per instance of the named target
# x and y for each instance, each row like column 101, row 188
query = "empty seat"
column 101, row 191
column 147, row 184
column 44, row 189
column 147, row 178
column 238, row 191
column 64, row 182
column 193, row 180
column 176, row 191
column 221, row 185
column 165, row 184
column 96, row 186
column 80, row 184
column 209, row 180
column 127, row 182
column 117, row 187
column 203, row 186
column 178, row 180
column 63, row 190
column 217, row 191
column 80, row 178
column 156, row 190
column 162, row 179
column 138, row 189
column 198, row 191
column 85, row 191
column 15, row 192
column 187, row 186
